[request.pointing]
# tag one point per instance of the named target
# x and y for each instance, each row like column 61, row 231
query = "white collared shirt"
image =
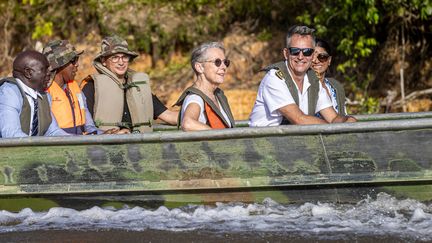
column 273, row 94
column 31, row 95
column 194, row 98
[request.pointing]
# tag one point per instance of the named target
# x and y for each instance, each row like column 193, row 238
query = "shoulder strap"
column 206, row 99
column 312, row 92
column 288, row 80
column 85, row 81
column 340, row 95
column 225, row 105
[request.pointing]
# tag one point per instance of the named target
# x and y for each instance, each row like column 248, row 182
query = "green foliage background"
column 366, row 34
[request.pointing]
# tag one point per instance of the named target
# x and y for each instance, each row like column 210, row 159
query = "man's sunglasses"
column 323, row 57
column 218, row 62
column 74, row 60
column 307, row 52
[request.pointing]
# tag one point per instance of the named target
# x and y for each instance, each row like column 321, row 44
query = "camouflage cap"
column 59, row 53
column 115, row 44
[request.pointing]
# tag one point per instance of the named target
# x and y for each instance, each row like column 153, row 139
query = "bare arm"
column 331, row 116
column 190, row 119
column 169, row 117
column 293, row 113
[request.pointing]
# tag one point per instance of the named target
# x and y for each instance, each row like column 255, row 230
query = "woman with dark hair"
column 320, row 63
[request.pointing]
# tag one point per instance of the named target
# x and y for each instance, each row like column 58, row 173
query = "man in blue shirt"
column 24, row 105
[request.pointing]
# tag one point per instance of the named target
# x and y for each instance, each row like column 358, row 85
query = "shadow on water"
column 186, row 236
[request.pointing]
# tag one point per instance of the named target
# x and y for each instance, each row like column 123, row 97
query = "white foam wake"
column 383, row 216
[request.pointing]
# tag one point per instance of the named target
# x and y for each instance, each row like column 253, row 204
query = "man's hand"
column 117, row 131
column 111, row 131
column 293, row 113
column 351, row 119
column 123, row 131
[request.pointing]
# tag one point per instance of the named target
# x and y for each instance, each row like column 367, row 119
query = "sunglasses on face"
column 323, row 57
column 307, row 52
column 51, row 74
column 218, row 62
column 74, row 60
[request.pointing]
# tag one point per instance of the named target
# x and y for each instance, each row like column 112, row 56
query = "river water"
column 384, row 218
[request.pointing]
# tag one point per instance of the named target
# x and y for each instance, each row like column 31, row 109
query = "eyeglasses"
column 218, row 62
column 74, row 60
column 296, row 51
column 51, row 73
column 116, row 59
column 323, row 57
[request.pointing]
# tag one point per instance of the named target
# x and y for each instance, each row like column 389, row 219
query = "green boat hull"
column 290, row 164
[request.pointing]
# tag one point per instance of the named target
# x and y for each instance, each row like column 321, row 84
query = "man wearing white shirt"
column 290, row 92
column 24, row 106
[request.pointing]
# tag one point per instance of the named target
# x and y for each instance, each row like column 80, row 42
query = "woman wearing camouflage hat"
column 120, row 97
column 68, row 101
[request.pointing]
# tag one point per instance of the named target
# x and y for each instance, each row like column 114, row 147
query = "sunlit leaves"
column 42, row 28
column 32, row 2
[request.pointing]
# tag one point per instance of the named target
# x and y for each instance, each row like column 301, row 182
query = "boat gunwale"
column 316, row 185
column 360, row 118
column 233, row 133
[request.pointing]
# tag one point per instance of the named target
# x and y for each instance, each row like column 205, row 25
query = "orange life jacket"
column 213, row 120
column 62, row 107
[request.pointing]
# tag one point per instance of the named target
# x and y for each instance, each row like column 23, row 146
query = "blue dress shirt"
column 11, row 103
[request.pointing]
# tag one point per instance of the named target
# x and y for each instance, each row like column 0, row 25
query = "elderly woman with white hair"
column 204, row 105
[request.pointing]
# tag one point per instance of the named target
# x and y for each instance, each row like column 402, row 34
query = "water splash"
column 382, row 216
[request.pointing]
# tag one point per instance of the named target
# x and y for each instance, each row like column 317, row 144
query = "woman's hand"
column 117, row 131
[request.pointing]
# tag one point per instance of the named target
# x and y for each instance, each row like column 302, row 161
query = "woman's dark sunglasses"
column 307, row 52
column 323, row 57
column 218, row 62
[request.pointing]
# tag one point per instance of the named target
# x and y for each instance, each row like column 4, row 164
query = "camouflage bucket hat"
column 115, row 44
column 59, row 53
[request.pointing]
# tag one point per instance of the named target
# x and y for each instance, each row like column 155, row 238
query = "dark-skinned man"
column 24, row 106
column 68, row 102
column 290, row 92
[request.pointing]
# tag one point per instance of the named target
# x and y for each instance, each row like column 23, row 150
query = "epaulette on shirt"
column 279, row 74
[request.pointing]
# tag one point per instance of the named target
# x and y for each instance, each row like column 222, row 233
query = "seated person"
column 120, row 97
column 203, row 105
column 320, row 64
column 68, row 102
column 290, row 92
column 25, row 108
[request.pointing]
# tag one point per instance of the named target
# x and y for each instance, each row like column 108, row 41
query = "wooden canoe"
column 389, row 153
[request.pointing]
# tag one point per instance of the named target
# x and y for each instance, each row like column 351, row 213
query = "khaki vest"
column 44, row 111
column 219, row 95
column 340, row 95
column 109, row 100
column 313, row 90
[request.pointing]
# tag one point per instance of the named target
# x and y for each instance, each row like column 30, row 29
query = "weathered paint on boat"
column 337, row 162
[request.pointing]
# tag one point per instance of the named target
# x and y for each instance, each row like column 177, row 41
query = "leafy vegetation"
column 370, row 36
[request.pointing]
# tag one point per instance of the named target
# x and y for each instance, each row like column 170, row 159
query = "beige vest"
column 109, row 101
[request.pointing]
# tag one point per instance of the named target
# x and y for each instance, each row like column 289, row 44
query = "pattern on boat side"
column 234, row 163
